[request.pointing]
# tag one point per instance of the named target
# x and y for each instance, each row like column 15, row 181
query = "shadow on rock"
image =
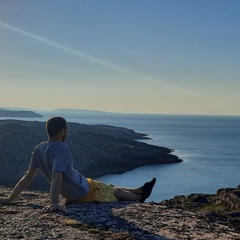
column 106, row 219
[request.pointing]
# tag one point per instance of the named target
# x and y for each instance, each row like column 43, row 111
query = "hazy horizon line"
column 108, row 112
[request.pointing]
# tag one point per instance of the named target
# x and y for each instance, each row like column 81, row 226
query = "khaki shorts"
column 99, row 192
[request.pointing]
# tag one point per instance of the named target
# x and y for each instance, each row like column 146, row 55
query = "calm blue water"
column 208, row 145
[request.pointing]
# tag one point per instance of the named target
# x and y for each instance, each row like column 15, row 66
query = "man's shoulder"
column 55, row 145
column 40, row 144
column 61, row 144
column 50, row 145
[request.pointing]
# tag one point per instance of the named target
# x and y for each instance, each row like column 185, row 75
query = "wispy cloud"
column 163, row 84
column 59, row 46
column 75, row 52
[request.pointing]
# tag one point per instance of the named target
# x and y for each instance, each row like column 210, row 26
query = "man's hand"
column 4, row 200
column 53, row 208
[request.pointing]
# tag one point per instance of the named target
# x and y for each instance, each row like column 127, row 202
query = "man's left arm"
column 56, row 185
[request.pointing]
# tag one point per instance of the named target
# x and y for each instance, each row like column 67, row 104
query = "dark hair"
column 55, row 125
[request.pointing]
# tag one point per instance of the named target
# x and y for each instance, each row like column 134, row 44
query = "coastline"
column 97, row 150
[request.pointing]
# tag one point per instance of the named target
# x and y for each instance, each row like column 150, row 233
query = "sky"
column 138, row 56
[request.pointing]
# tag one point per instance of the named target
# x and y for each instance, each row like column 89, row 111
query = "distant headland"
column 19, row 114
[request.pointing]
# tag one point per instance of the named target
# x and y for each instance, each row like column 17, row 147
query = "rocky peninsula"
column 97, row 150
column 19, row 114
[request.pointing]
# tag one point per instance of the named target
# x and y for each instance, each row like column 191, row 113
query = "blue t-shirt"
column 52, row 157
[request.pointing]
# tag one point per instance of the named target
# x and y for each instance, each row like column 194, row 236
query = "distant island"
column 78, row 111
column 68, row 112
column 19, row 114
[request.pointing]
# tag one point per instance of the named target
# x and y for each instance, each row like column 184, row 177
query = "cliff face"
column 97, row 150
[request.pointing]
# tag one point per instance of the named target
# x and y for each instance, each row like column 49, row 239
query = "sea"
column 208, row 145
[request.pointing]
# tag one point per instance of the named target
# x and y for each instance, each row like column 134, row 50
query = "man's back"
column 54, row 156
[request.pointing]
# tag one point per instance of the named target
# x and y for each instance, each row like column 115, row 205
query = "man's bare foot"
column 147, row 189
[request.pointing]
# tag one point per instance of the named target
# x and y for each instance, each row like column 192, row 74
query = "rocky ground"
column 179, row 218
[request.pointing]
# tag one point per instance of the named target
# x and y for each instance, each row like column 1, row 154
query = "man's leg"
column 125, row 195
column 135, row 194
column 132, row 190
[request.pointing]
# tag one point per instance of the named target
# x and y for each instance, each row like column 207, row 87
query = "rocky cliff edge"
column 184, row 217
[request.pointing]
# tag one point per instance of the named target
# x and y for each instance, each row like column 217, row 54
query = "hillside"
column 97, row 150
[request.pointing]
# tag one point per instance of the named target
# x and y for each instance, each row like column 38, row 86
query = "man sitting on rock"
column 54, row 159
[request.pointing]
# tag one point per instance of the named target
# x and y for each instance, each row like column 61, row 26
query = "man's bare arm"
column 56, row 185
column 21, row 185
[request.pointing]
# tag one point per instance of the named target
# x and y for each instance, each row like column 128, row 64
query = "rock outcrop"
column 22, row 219
column 222, row 207
column 97, row 150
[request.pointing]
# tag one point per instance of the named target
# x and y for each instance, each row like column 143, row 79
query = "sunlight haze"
column 156, row 56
